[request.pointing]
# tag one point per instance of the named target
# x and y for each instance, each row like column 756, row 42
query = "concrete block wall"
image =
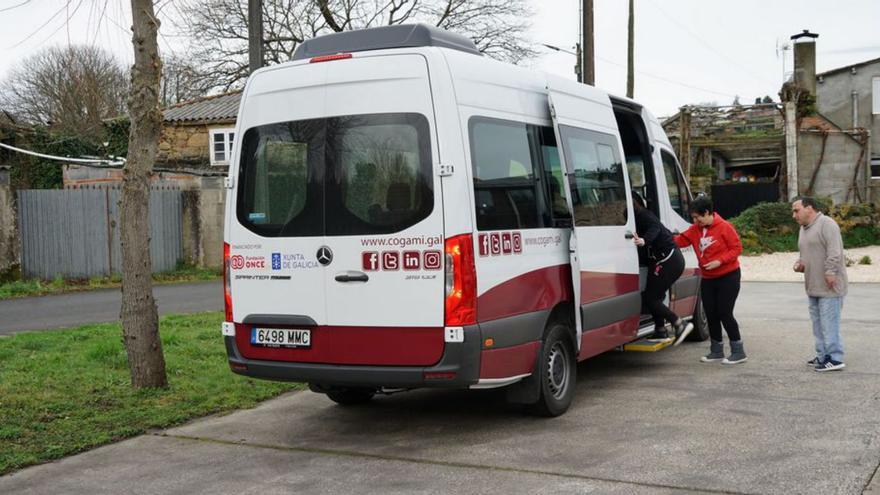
column 835, row 175
column 203, row 222
column 212, row 208
column 9, row 244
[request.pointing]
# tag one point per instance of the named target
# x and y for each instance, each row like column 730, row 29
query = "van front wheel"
column 351, row 396
column 557, row 373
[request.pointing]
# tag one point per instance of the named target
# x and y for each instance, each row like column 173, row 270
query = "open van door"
column 605, row 266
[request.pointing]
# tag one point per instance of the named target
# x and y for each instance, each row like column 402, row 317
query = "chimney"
column 805, row 60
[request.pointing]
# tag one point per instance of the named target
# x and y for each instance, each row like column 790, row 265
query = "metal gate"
column 74, row 233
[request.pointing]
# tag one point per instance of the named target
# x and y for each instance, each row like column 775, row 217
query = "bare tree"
column 181, row 81
column 140, row 322
column 73, row 89
column 498, row 27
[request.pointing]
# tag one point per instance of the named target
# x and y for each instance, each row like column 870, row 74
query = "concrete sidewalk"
column 99, row 306
column 640, row 423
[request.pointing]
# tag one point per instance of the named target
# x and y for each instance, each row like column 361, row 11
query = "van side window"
column 678, row 192
column 599, row 195
column 554, row 177
column 505, row 184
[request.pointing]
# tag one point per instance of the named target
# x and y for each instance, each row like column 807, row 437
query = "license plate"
column 281, row 337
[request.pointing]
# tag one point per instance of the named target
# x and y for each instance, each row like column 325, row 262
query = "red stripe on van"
column 596, row 286
column 532, row 291
column 608, row 337
column 368, row 346
column 509, row 361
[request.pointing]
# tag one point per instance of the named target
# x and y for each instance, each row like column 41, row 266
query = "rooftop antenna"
column 781, row 48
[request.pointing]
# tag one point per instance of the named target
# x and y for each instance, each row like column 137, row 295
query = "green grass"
column 24, row 288
column 66, row 391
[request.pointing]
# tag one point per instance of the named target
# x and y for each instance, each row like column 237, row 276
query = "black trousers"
column 661, row 276
column 719, row 297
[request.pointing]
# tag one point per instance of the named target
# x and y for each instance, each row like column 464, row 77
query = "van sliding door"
column 605, row 268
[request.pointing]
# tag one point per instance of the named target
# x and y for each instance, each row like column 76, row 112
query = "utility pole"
column 630, row 65
column 587, row 63
column 255, row 34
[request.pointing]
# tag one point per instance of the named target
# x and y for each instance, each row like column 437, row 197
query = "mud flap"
column 527, row 390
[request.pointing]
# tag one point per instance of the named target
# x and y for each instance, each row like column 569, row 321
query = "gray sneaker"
column 716, row 352
column 737, row 354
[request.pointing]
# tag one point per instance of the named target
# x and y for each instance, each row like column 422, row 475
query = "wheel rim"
column 557, row 370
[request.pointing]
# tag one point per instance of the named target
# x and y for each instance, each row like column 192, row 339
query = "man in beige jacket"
column 823, row 264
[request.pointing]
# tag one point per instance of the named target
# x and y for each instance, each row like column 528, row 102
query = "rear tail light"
column 227, row 282
column 461, row 281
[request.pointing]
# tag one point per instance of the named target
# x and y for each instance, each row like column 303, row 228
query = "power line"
column 92, row 161
column 670, row 81
column 706, row 44
column 25, row 2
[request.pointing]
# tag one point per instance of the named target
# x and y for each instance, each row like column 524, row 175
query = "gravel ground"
column 776, row 267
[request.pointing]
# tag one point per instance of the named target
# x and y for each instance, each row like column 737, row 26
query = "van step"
column 648, row 345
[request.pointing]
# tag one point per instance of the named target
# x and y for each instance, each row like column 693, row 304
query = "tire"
column 701, row 324
column 557, row 373
column 351, row 396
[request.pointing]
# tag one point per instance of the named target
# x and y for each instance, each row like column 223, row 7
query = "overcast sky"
column 687, row 51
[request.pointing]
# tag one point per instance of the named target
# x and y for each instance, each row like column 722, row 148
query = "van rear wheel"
column 351, row 396
column 557, row 373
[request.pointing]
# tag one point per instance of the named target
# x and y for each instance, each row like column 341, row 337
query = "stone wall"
column 184, row 145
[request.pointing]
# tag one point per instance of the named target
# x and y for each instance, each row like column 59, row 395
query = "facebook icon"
column 276, row 261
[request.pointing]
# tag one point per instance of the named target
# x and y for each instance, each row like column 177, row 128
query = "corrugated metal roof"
column 207, row 109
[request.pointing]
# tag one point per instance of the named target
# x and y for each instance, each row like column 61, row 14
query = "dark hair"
column 701, row 206
column 807, row 201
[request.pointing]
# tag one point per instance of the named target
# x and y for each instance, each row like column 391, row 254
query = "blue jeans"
column 825, row 313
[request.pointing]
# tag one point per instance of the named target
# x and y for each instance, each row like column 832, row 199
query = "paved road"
column 641, row 423
column 98, row 306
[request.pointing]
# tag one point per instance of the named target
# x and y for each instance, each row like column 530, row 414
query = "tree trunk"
column 630, row 64
column 140, row 322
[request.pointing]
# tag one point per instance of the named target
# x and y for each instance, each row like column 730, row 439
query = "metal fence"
column 74, row 233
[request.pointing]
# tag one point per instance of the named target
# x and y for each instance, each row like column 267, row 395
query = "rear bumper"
column 459, row 367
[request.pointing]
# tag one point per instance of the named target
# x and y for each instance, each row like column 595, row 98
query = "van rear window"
column 352, row 175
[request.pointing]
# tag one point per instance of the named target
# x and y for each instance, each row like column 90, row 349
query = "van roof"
column 400, row 36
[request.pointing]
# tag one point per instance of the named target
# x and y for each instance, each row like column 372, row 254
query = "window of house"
column 221, row 145
column 875, row 94
column 598, row 187
column 679, row 196
column 875, row 168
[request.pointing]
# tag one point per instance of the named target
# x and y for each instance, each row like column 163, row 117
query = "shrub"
column 769, row 227
column 866, row 260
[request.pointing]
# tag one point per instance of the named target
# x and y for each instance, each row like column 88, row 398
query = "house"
column 833, row 156
column 849, row 97
column 199, row 134
column 196, row 142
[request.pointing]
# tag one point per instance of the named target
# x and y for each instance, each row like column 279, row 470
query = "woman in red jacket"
column 718, row 248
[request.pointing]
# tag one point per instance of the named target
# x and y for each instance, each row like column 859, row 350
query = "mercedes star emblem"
column 325, row 255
